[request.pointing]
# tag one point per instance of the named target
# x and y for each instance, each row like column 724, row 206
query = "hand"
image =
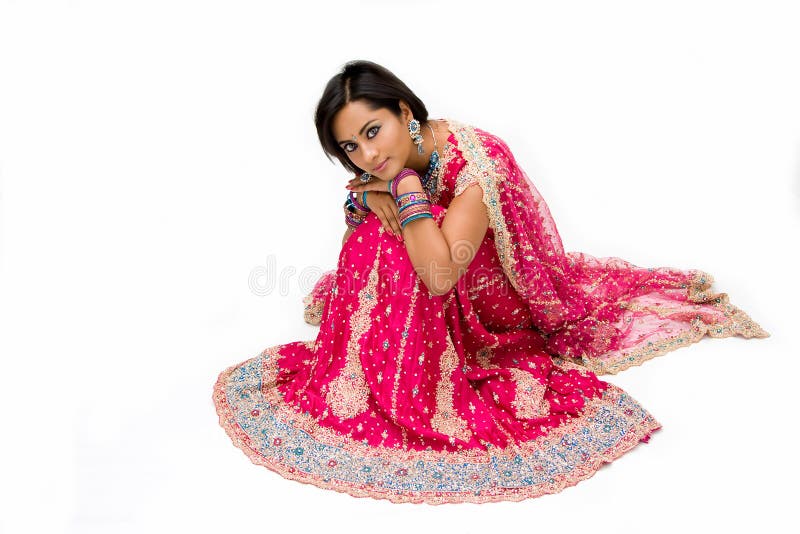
column 380, row 202
column 384, row 206
column 376, row 184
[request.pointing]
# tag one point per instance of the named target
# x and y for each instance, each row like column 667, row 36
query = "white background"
column 153, row 155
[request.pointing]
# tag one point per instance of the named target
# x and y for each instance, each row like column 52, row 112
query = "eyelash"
column 368, row 137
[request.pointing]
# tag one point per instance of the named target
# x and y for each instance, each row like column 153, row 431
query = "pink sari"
column 487, row 393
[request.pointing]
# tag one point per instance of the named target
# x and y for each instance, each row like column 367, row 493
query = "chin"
column 386, row 174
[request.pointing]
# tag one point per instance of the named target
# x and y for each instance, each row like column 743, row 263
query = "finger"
column 356, row 181
column 384, row 221
column 396, row 219
column 372, row 186
column 392, row 222
column 396, row 225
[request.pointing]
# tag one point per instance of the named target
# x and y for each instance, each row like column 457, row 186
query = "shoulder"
column 475, row 141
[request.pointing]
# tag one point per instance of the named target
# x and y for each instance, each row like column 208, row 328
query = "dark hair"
column 367, row 82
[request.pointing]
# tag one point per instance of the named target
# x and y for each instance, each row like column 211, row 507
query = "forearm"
column 428, row 248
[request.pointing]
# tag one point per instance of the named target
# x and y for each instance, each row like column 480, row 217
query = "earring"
column 414, row 131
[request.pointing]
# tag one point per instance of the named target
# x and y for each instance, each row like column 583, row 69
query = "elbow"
column 440, row 277
column 438, row 293
column 438, row 288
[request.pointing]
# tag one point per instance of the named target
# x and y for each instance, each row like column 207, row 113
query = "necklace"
column 431, row 179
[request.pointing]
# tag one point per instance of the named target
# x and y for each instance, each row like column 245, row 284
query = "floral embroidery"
column 611, row 425
column 401, row 351
column 446, row 419
column 529, row 398
column 349, row 392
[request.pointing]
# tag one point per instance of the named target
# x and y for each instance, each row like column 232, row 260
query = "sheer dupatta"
column 606, row 313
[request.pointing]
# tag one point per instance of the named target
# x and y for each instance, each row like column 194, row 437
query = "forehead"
column 349, row 120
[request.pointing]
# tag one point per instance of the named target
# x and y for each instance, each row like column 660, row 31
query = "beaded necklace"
column 431, row 179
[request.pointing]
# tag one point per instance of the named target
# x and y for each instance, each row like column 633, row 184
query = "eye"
column 373, row 129
column 346, row 145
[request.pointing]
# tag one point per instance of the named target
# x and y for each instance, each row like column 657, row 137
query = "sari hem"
column 274, row 435
column 736, row 322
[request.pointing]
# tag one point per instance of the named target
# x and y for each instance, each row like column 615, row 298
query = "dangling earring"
column 414, row 131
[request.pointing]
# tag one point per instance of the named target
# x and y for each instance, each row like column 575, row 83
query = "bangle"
column 412, row 196
column 354, row 207
column 352, row 221
column 361, row 205
column 415, row 203
column 395, row 182
column 404, row 222
column 412, row 213
column 352, row 216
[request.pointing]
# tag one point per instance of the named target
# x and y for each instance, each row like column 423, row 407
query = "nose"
column 370, row 152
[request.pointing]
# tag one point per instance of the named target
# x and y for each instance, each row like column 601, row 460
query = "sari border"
column 736, row 323
column 613, row 400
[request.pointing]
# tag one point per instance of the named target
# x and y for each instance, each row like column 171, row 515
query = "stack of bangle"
column 412, row 206
column 355, row 209
column 394, row 182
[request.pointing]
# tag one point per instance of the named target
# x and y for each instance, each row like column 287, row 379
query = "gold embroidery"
column 484, row 357
column 348, row 393
column 480, row 169
column 529, row 400
column 736, row 322
column 446, row 155
column 312, row 311
column 463, row 181
column 401, row 351
column 446, row 419
column 234, row 397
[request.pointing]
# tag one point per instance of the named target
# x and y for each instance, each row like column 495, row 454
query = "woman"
column 459, row 344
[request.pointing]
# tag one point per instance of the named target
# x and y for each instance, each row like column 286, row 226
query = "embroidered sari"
column 487, row 393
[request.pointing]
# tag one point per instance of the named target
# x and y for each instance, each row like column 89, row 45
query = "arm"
column 441, row 255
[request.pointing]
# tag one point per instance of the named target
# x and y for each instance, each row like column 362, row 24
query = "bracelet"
column 360, row 205
column 394, row 182
column 412, row 196
column 423, row 215
column 418, row 211
column 415, row 203
column 353, row 207
column 352, row 221
column 352, row 215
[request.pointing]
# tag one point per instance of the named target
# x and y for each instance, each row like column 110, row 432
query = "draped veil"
column 603, row 312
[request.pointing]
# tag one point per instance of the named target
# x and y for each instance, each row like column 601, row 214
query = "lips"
column 381, row 166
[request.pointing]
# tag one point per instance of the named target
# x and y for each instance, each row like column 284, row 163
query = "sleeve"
column 464, row 179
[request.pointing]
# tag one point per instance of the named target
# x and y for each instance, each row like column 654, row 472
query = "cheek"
column 397, row 139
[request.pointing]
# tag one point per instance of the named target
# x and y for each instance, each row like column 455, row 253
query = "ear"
column 405, row 111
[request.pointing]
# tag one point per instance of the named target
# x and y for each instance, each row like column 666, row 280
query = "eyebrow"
column 360, row 132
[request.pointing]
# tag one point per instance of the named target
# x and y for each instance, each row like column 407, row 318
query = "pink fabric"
column 389, row 347
column 605, row 313
column 488, row 392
